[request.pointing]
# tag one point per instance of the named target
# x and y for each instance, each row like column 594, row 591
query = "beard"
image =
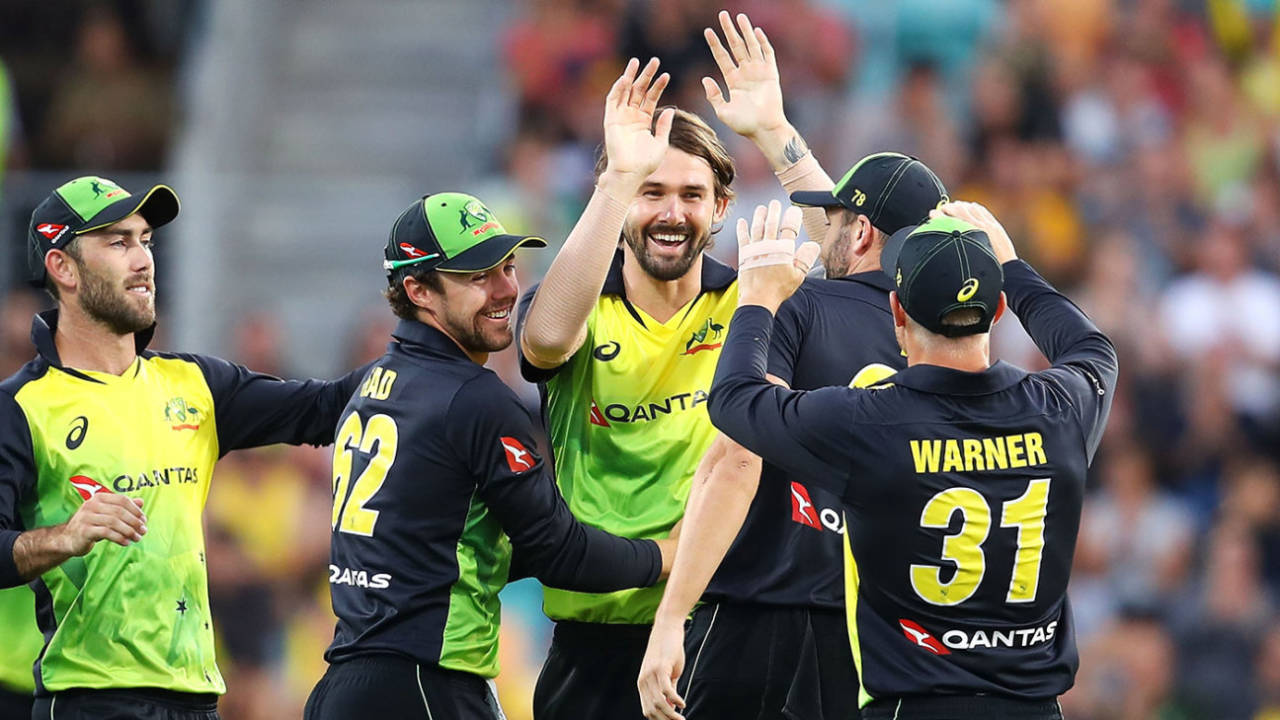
column 666, row 268
column 108, row 303
column 835, row 256
column 475, row 333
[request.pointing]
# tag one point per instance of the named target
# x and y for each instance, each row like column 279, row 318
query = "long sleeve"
column 792, row 429
column 1084, row 360
column 17, row 477
column 520, row 490
column 254, row 409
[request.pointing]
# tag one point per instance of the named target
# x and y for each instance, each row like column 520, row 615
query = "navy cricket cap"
column 941, row 265
column 893, row 190
column 86, row 204
column 453, row 232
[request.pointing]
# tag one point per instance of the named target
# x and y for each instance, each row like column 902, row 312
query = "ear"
column 62, row 269
column 722, row 210
column 421, row 295
column 864, row 235
column 999, row 309
column 899, row 314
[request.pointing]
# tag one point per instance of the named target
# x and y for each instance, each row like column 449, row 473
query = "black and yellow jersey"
column 789, row 550
column 436, row 480
column 627, row 417
column 963, row 494
column 135, row 616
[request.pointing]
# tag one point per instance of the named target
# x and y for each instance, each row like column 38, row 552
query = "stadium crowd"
column 1132, row 148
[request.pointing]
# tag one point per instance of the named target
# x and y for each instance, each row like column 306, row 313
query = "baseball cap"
column 941, row 265
column 893, row 190
column 453, row 232
column 86, row 204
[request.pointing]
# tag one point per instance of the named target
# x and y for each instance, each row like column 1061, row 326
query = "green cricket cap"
column 453, row 232
column 86, row 204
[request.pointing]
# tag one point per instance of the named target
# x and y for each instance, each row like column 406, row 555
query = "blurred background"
column 1132, row 147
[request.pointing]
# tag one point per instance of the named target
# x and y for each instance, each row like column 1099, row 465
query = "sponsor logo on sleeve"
column 519, row 459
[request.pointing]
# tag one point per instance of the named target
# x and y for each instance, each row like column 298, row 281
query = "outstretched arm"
column 753, row 108
column 635, row 145
column 724, row 485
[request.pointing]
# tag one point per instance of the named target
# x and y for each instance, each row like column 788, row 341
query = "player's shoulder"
column 33, row 371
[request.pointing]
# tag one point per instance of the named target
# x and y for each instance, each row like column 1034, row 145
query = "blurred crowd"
column 1132, row 147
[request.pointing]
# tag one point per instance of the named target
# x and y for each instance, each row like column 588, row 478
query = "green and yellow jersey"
column 22, row 639
column 628, row 423
column 135, row 616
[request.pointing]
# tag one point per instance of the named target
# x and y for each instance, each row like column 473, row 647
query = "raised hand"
column 634, row 144
column 981, row 218
column 771, row 267
column 750, row 72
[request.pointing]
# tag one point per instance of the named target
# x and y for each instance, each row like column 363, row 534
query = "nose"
column 504, row 287
column 671, row 212
column 140, row 259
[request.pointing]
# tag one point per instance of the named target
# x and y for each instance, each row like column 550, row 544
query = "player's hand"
column 981, row 218
column 663, row 662
column 770, row 267
column 105, row 516
column 634, row 144
column 750, row 72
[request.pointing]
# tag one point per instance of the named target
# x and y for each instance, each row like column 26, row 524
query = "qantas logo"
column 802, row 510
column 51, row 231
column 921, row 637
column 597, row 417
column 411, row 251
column 87, row 486
column 806, row 513
column 518, row 458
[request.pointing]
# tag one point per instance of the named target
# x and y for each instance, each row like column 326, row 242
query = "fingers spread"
column 749, row 36
column 771, row 220
column 731, row 36
column 640, row 87
column 718, row 53
column 757, row 223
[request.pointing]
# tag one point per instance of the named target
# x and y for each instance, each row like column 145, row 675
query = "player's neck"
column 660, row 299
column 86, row 344
column 969, row 354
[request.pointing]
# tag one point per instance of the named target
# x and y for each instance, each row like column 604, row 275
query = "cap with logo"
column 941, row 265
column 893, row 190
column 453, row 232
column 86, row 204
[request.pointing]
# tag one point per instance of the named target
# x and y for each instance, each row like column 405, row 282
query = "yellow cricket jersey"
column 628, row 423
column 135, row 616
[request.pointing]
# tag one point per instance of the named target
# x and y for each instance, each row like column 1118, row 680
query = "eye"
column 653, row 194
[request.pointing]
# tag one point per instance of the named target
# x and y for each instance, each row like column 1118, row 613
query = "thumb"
column 714, row 95
column 807, row 254
column 662, row 129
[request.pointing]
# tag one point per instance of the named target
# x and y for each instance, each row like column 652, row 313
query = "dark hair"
column 693, row 135
column 398, row 298
column 72, row 248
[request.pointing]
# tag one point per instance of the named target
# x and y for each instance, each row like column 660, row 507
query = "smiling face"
column 669, row 223
column 116, row 276
column 475, row 309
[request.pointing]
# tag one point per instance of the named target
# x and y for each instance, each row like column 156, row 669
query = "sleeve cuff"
column 9, row 576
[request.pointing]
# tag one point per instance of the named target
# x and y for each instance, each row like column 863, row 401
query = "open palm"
column 634, row 144
column 750, row 73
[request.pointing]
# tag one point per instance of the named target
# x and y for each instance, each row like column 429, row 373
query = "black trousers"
column 766, row 663
column 131, row 704
column 591, row 673
column 962, row 707
column 15, row 705
column 394, row 687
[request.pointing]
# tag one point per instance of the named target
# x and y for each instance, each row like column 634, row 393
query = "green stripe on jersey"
column 471, row 629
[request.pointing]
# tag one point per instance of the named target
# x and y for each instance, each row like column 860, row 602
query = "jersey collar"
column 715, row 275
column 874, row 278
column 45, row 324
column 416, row 335
column 939, row 380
